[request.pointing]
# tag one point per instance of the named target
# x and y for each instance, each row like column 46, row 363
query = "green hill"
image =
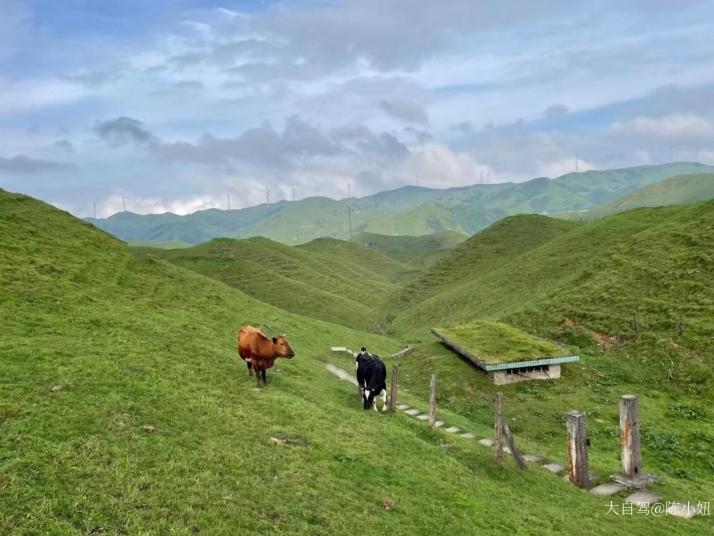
column 420, row 251
column 374, row 261
column 483, row 252
column 631, row 294
column 409, row 210
column 98, row 343
column 652, row 263
column 678, row 190
column 346, row 287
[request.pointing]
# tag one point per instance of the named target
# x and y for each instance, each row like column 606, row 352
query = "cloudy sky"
column 176, row 104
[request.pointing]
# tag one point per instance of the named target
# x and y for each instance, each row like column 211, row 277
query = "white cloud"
column 562, row 166
column 155, row 205
column 28, row 95
column 675, row 128
column 437, row 166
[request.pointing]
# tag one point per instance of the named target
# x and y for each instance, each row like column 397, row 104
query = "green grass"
column 346, row 287
column 420, row 251
column 482, row 253
column 652, row 263
column 581, row 289
column 495, row 342
column 141, row 341
column 387, row 267
column 678, row 190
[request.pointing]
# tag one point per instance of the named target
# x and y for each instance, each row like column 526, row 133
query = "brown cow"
column 259, row 352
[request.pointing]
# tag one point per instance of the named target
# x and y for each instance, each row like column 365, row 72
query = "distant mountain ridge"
column 677, row 190
column 409, row 210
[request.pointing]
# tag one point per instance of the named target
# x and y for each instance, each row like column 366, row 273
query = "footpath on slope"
column 642, row 498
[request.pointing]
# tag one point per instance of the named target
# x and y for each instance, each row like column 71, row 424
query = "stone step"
column 643, row 497
column 685, row 510
column 412, row 412
column 439, row 424
column 607, row 489
column 533, row 458
column 422, row 417
column 453, row 429
column 468, row 435
column 486, row 441
column 402, row 407
column 554, row 467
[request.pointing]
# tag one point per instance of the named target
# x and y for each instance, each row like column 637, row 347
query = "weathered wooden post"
column 393, row 388
column 630, row 455
column 432, row 400
column 498, row 430
column 577, row 428
column 635, row 324
column 520, row 462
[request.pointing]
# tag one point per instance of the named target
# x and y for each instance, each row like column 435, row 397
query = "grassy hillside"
column 374, row 261
column 678, row 190
column 581, row 289
column 342, row 288
column 420, row 251
column 409, row 210
column 601, row 186
column 485, row 251
column 652, row 262
column 98, row 344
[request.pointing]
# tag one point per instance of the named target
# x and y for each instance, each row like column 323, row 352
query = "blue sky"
column 176, row 103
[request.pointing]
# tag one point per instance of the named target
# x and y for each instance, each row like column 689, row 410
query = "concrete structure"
column 516, row 375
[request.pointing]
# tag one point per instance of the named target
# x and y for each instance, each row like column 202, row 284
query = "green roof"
column 498, row 346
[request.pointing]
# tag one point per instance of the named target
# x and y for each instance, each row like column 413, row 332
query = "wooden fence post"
column 630, row 454
column 393, row 388
column 498, row 430
column 432, row 400
column 520, row 462
column 577, row 428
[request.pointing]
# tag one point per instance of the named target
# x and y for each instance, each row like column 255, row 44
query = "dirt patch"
column 607, row 341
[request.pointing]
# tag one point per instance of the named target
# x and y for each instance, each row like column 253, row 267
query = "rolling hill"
column 655, row 264
column 345, row 287
column 678, row 190
column 419, row 251
column 409, row 210
column 483, row 252
column 126, row 411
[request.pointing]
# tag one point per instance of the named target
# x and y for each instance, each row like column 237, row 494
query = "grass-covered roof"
column 496, row 343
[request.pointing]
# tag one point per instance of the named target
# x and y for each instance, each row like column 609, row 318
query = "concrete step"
column 607, row 489
column 554, row 467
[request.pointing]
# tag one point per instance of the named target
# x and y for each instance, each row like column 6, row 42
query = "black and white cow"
column 372, row 379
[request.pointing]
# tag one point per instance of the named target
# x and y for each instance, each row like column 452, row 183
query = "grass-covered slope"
column 408, row 210
column 345, row 289
column 582, row 290
column 97, row 344
column 485, row 251
column 601, row 186
column 391, row 269
column 678, row 190
column 657, row 264
column 420, row 251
